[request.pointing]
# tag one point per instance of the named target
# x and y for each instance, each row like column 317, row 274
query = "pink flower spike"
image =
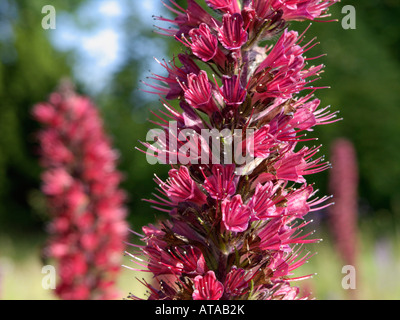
column 235, row 214
column 237, row 197
column 343, row 184
column 207, row 287
column 232, row 35
column 81, row 185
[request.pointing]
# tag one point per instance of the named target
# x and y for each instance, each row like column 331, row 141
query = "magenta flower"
column 235, row 216
column 170, row 85
column 204, row 43
column 302, row 9
column 236, row 283
column 230, row 6
column 285, row 292
column 81, row 181
column 222, row 183
column 207, row 287
column 283, row 72
column 198, row 92
column 232, row 35
column 232, row 91
column 186, row 20
column 260, row 143
column 180, row 187
column 261, row 204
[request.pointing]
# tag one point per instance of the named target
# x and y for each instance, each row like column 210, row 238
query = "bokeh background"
column 107, row 46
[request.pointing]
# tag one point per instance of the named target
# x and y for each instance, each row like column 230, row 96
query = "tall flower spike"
column 236, row 216
column 80, row 181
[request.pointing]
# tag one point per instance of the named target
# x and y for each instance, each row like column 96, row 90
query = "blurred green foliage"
column 362, row 68
column 30, row 68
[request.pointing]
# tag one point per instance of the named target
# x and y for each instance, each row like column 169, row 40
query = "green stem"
column 256, row 38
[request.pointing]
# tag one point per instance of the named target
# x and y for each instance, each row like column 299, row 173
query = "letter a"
column 349, row 281
column 49, row 21
column 49, row 281
column 349, row 21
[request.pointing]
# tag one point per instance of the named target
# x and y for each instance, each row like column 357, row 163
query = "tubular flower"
column 302, row 9
column 236, row 213
column 205, row 44
column 180, row 187
column 232, row 91
column 80, row 182
column 207, row 287
column 198, row 92
column 232, row 35
column 222, row 183
column 283, row 72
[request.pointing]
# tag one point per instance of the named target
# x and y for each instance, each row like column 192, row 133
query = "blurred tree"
column 30, row 68
column 363, row 70
column 126, row 109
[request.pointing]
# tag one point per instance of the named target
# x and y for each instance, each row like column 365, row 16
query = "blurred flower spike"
column 81, row 184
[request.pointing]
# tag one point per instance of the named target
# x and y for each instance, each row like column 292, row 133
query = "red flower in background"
column 81, row 184
column 343, row 184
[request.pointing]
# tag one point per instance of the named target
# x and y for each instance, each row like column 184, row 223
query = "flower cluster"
column 80, row 181
column 236, row 231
